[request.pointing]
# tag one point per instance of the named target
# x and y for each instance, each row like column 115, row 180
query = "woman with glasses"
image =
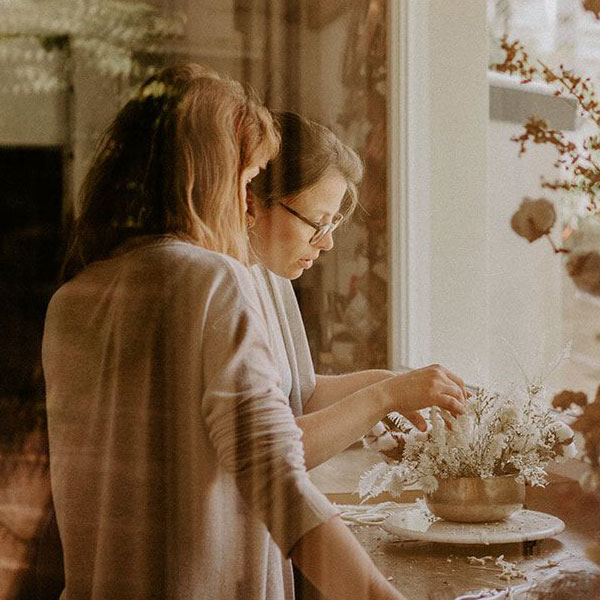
column 294, row 206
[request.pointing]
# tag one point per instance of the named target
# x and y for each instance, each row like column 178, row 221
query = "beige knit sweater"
column 175, row 459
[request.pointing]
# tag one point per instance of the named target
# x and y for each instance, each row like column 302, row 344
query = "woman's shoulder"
column 180, row 255
column 170, row 264
column 225, row 274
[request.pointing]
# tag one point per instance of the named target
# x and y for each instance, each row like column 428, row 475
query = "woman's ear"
column 250, row 203
column 250, row 210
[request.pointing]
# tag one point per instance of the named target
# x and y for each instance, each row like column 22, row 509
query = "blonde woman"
column 177, row 468
column 295, row 205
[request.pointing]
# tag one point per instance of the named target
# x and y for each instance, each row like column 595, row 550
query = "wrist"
column 383, row 374
column 384, row 398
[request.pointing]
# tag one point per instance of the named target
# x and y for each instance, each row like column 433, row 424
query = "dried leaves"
column 582, row 170
column 567, row 398
column 592, row 6
column 583, row 264
column 537, row 131
column 534, row 218
column 584, row 269
column 588, row 424
column 565, row 81
column 516, row 61
column 387, row 439
column 506, row 570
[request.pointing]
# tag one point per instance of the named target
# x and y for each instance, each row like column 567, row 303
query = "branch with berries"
column 580, row 164
column 535, row 217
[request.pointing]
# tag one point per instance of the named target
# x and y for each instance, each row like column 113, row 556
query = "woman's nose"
column 326, row 243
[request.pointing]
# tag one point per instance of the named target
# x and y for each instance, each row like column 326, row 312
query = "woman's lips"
column 306, row 263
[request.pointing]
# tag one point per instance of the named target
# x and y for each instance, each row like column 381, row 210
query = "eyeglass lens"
column 326, row 228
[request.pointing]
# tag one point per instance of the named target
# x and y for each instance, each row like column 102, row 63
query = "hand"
column 430, row 386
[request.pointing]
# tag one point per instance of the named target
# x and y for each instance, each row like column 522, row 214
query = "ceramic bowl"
column 476, row 500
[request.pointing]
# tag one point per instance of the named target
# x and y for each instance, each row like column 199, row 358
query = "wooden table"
column 431, row 571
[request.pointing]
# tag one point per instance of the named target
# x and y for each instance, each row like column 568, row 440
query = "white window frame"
column 438, row 115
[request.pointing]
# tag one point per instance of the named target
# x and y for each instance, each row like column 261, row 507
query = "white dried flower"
column 429, row 484
column 566, row 452
column 479, row 561
column 383, row 443
column 378, row 429
column 500, row 434
column 564, row 434
column 509, row 569
column 508, row 414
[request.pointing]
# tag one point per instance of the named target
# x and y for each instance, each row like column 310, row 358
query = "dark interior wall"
column 31, row 197
column 30, row 223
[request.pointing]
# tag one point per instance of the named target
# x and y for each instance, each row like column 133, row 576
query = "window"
column 552, row 310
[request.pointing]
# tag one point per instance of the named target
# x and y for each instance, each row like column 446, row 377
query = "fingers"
column 430, row 386
column 452, row 405
column 459, row 382
column 453, row 379
column 450, row 389
column 454, row 387
column 417, row 420
column 451, row 398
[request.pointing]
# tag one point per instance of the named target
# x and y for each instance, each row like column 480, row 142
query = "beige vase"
column 476, row 500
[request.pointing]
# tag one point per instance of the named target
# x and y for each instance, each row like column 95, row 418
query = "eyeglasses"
column 321, row 230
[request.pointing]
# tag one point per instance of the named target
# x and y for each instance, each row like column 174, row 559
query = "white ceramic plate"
column 523, row 526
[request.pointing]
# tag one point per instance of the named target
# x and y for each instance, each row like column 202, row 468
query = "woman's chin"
column 295, row 274
column 291, row 272
column 288, row 271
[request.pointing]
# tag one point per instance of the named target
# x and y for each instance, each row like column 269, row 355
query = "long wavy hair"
column 170, row 163
column 308, row 150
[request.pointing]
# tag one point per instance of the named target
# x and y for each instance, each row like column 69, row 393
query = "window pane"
column 554, row 311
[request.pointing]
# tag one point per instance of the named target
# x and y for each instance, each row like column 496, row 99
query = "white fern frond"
column 373, row 482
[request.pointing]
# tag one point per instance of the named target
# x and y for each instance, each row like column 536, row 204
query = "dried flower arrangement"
column 579, row 185
column 511, row 433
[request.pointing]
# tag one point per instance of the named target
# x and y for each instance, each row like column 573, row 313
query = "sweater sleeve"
column 249, row 420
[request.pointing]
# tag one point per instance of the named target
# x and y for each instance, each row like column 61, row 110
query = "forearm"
column 328, row 431
column 333, row 388
column 332, row 559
